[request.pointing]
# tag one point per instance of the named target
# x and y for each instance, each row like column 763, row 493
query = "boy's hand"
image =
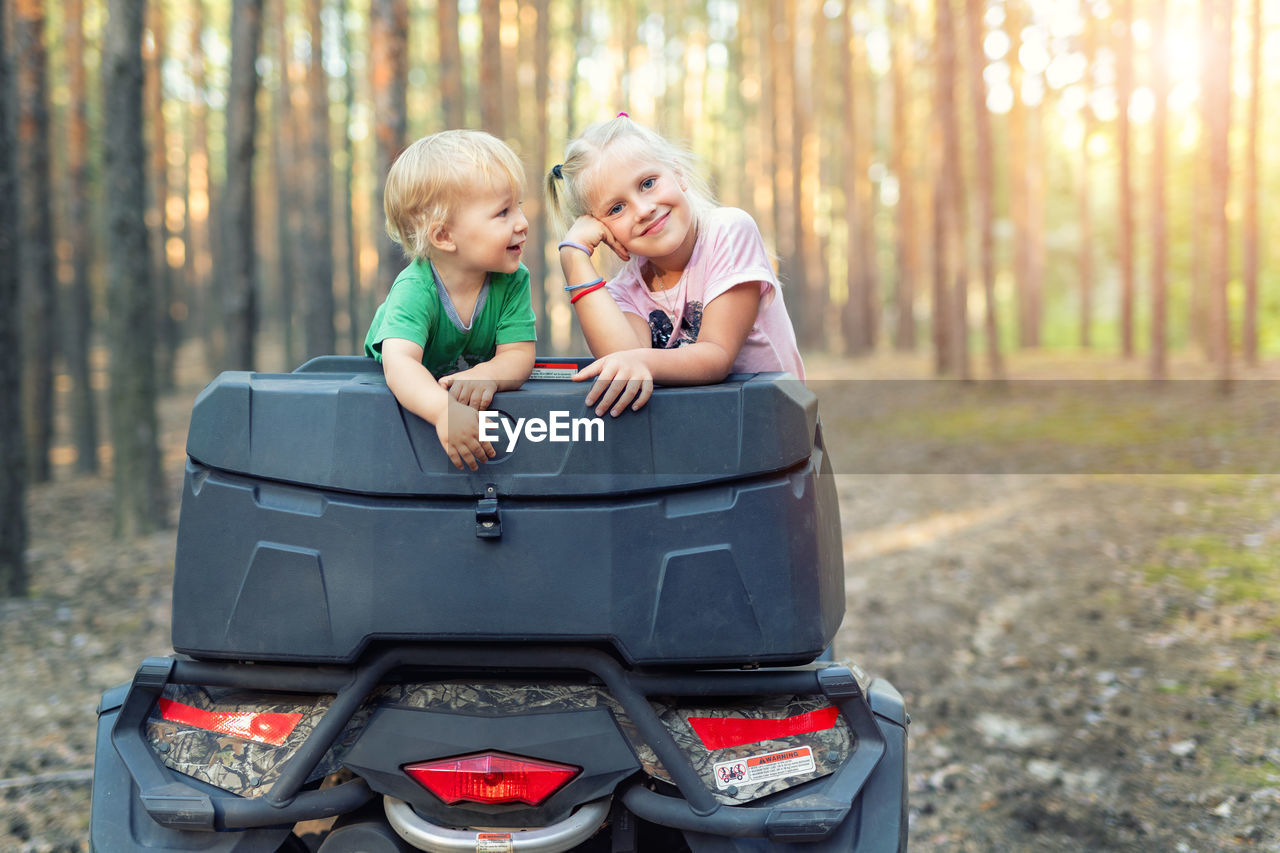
column 459, row 434
column 470, row 390
column 622, row 378
column 591, row 232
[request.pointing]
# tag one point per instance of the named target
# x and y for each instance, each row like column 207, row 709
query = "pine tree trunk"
column 539, row 232
column 355, row 288
column 389, row 58
column 287, row 157
column 157, row 215
column 1249, row 260
column 321, row 337
column 199, row 229
column 985, row 181
column 903, row 164
column 491, row 99
column 13, row 462
column 1085, row 192
column 1218, row 102
column 37, row 268
column 78, row 316
column 451, row 98
column 139, row 501
column 1124, row 91
column 1159, row 236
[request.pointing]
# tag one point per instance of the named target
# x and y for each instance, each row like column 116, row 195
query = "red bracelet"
column 584, row 291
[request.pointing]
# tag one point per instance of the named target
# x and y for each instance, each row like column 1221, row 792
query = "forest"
column 970, row 179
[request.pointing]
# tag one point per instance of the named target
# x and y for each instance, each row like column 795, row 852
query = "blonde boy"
column 458, row 324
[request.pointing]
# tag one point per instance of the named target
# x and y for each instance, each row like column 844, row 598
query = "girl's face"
column 643, row 204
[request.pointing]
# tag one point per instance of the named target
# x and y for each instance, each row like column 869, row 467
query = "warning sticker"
column 764, row 768
column 553, row 370
column 494, row 842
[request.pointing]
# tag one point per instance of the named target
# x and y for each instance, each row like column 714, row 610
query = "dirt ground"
column 1091, row 660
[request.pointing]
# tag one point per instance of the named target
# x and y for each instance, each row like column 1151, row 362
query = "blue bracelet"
column 573, row 245
column 570, row 288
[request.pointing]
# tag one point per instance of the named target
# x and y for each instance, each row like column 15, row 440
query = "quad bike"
column 611, row 637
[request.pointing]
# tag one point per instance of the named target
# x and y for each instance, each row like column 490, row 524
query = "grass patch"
column 1221, row 565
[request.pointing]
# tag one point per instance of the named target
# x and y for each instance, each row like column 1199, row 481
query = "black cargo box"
column 318, row 518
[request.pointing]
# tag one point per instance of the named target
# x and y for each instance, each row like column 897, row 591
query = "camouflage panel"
column 250, row 768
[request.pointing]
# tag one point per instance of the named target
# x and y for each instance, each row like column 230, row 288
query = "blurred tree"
column 491, row 76
column 903, row 153
column 287, row 155
column 198, row 266
column 1086, row 182
column 154, row 53
column 13, row 462
column 389, row 65
column 1218, row 106
column 985, row 179
column 351, row 257
column 1159, row 235
column 236, row 264
column 321, row 338
column 139, row 489
column 539, row 236
column 78, row 316
column 40, row 344
column 1124, row 93
column 452, row 103
column 1249, row 262
column 857, row 318
column 950, row 284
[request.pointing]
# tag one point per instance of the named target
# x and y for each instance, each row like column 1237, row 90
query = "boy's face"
column 488, row 229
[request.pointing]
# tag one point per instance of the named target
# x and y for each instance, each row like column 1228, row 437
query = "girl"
column 696, row 298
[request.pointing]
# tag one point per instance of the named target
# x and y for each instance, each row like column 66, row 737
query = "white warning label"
column 553, row 370
column 494, row 842
column 764, row 768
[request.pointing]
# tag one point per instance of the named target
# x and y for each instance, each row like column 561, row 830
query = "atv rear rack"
column 174, row 803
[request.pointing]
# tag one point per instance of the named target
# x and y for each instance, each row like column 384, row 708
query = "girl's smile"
column 643, row 204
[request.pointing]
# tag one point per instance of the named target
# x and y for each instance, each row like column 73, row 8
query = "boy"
column 458, row 324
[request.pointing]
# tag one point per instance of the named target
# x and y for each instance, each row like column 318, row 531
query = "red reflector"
column 270, row 728
column 724, row 732
column 491, row 777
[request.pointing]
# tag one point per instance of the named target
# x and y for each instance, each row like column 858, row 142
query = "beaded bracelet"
column 570, row 288
column 581, row 293
column 572, row 245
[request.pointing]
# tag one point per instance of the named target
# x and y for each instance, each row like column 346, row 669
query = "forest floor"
column 1075, row 585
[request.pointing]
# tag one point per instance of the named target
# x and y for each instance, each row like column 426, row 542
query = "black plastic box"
column 318, row 517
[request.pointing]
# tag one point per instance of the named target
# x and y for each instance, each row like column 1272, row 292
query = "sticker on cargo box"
column 764, row 768
column 494, row 842
column 553, row 370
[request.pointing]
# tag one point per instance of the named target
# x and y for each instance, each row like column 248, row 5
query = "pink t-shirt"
column 729, row 251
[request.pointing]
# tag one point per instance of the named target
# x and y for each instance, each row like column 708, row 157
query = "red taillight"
column 724, row 732
column 492, row 777
column 270, row 727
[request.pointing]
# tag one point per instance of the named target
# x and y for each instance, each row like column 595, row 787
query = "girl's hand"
column 622, row 378
column 591, row 232
column 470, row 391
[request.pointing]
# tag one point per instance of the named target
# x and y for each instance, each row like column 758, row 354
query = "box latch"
column 488, row 522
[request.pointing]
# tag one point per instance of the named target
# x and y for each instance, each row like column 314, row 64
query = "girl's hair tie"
column 555, row 171
column 624, row 115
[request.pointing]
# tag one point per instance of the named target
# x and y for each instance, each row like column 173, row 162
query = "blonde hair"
column 570, row 183
column 430, row 177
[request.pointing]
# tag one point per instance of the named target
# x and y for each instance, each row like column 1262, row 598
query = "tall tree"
column 903, row 164
column 355, row 298
column 287, row 155
column 452, row 104
column 13, row 462
column 1124, row 92
column 857, row 314
column 1218, row 105
column 199, row 239
column 39, row 304
column 1249, row 261
column 985, row 179
column 1019, row 189
column 321, row 337
column 1159, row 236
column 77, row 318
column 154, row 54
column 1086, row 183
column 139, row 501
column 237, row 268
column 951, row 334
column 491, row 76
column 389, row 62
column 538, row 236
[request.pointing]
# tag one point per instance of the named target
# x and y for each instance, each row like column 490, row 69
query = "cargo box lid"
column 334, row 424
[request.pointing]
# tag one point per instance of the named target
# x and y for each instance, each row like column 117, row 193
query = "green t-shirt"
column 418, row 310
